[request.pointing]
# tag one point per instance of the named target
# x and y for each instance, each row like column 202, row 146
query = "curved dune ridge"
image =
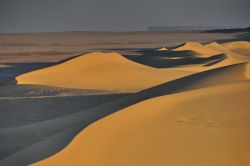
column 201, row 127
column 101, row 71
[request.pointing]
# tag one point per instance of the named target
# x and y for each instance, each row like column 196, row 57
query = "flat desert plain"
column 125, row 98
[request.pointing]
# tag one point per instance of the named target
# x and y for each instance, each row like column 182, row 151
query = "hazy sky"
column 119, row 15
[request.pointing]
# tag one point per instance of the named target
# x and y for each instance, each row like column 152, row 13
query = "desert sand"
column 185, row 105
column 184, row 128
column 202, row 127
column 240, row 47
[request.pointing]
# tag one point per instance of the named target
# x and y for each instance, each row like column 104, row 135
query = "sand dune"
column 102, row 71
column 169, row 60
column 193, row 56
column 209, row 50
column 38, row 132
column 162, row 49
column 202, row 127
column 240, row 47
column 197, row 47
column 236, row 45
column 220, row 48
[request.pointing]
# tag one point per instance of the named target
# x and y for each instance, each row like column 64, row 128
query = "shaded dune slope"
column 102, row 71
column 50, row 128
column 41, row 108
column 211, row 124
column 168, row 60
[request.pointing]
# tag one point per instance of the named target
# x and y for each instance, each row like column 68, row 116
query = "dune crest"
column 207, row 126
column 101, row 71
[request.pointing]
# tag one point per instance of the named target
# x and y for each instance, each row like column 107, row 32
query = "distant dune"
column 192, row 56
column 162, row 49
column 197, row 47
column 101, row 71
column 240, row 47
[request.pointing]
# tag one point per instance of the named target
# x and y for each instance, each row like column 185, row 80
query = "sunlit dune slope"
column 208, row 126
column 240, row 47
column 102, row 71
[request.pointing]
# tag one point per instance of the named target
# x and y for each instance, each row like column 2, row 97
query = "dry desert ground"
column 125, row 98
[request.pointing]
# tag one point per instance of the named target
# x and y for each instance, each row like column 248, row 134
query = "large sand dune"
column 102, row 71
column 201, row 127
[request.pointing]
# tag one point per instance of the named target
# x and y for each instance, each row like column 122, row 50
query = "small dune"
column 100, row 71
column 162, row 49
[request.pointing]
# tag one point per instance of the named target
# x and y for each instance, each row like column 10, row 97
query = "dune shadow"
column 168, row 59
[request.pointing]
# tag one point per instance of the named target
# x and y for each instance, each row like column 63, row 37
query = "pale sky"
column 117, row 15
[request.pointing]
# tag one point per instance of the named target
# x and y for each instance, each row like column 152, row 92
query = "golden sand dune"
column 206, row 127
column 240, row 47
column 102, row 71
column 220, row 48
column 197, row 47
column 236, row 44
column 209, row 50
column 232, row 56
column 212, row 55
column 208, row 109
